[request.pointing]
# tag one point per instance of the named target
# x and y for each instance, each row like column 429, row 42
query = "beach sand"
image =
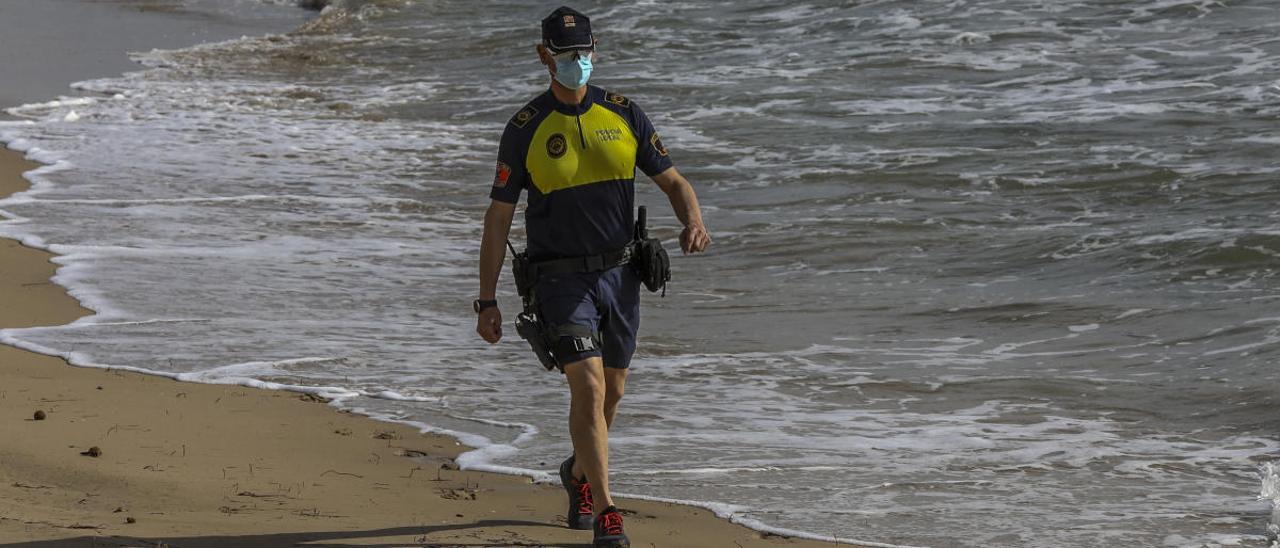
column 123, row 459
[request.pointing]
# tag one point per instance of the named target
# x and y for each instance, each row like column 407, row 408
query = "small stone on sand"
column 94, row 452
column 39, row 415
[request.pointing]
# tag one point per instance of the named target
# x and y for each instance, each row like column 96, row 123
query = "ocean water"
column 984, row 273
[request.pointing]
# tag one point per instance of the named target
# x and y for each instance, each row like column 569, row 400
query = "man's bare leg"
column 615, row 381
column 588, row 428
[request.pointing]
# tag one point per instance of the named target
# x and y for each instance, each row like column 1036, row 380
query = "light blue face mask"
column 573, row 71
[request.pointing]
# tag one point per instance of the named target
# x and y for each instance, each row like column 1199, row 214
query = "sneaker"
column 608, row 530
column 581, row 510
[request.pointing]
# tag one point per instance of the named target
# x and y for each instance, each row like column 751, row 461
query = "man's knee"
column 615, row 381
column 587, row 387
column 613, row 393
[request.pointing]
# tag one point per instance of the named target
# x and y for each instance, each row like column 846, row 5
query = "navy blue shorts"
column 607, row 303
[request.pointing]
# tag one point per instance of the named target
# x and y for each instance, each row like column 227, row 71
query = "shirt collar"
column 579, row 109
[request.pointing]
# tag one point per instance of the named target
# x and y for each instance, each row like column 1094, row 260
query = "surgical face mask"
column 573, row 68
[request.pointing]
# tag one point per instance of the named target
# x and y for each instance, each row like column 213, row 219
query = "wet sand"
column 45, row 45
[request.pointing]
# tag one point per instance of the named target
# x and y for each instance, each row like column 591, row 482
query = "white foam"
column 970, row 38
column 734, row 513
column 1132, row 312
column 721, row 471
column 1205, row 233
column 396, row 396
column 80, row 359
column 51, row 105
column 1271, row 492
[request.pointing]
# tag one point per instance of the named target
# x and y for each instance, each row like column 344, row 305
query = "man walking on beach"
column 575, row 148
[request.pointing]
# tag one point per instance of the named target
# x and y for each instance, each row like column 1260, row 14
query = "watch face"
column 476, row 305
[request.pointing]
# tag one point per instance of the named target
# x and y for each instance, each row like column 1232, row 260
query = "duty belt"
column 586, row 263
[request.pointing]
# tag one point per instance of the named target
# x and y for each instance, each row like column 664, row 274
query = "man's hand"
column 694, row 239
column 489, row 324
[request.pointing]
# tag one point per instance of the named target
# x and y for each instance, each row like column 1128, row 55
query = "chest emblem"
column 556, row 145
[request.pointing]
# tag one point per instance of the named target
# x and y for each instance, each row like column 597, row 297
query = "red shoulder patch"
column 503, row 173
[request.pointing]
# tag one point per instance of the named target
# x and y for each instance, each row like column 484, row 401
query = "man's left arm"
column 684, row 201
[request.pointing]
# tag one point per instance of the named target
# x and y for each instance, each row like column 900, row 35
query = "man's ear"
column 544, row 55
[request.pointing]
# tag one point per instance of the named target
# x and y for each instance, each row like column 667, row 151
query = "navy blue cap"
column 566, row 29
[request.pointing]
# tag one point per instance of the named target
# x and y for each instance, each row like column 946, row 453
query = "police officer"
column 575, row 149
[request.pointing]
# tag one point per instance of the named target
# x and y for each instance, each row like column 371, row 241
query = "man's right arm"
column 497, row 226
column 684, row 201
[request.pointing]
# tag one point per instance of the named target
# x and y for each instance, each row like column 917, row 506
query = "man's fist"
column 489, row 324
column 694, row 239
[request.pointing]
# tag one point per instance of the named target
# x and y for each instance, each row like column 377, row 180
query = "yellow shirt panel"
column 556, row 159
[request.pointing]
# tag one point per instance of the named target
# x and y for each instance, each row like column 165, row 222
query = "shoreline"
column 177, row 461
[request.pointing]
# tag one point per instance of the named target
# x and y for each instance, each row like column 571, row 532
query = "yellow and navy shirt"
column 578, row 163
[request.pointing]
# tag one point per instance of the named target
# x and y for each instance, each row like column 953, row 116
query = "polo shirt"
column 578, row 164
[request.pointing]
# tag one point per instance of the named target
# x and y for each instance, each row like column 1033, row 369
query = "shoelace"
column 584, row 499
column 611, row 523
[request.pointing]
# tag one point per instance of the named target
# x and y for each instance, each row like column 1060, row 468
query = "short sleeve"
column 510, row 176
column 651, row 155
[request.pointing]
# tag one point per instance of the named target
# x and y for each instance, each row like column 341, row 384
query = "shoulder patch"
column 503, row 173
column 657, row 144
column 522, row 118
column 617, row 99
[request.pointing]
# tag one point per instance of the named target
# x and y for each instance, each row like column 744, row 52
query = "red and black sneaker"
column 608, row 530
column 580, row 508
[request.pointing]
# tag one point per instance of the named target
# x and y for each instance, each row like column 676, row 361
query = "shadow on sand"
column 420, row 534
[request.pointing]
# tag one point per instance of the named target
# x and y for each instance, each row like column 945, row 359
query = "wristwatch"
column 480, row 304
